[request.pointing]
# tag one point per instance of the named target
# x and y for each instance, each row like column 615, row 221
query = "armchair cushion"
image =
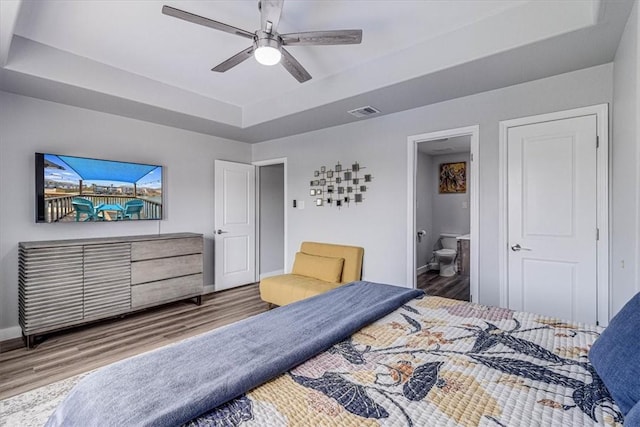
column 318, row 267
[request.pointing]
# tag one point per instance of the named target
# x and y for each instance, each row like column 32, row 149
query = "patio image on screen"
column 78, row 189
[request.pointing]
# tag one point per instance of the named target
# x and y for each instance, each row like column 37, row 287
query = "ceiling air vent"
column 363, row 111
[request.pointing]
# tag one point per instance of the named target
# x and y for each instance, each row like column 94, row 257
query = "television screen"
column 77, row 189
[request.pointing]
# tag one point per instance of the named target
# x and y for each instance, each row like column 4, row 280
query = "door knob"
column 518, row 248
column 220, row 231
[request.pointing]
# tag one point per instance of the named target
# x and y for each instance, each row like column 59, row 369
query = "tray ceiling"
column 128, row 58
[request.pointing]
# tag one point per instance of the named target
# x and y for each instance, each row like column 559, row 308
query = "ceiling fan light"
column 267, row 55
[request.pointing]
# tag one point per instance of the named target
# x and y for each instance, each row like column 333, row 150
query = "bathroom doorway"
column 271, row 215
column 443, row 192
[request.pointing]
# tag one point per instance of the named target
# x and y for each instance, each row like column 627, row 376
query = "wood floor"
column 68, row 353
column 455, row 287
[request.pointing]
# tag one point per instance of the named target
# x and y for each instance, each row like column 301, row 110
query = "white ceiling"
column 127, row 58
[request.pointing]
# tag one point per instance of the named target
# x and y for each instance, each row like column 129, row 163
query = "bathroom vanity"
column 464, row 244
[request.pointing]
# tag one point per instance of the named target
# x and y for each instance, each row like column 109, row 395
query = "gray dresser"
column 64, row 283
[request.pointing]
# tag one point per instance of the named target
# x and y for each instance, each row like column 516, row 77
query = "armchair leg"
column 270, row 306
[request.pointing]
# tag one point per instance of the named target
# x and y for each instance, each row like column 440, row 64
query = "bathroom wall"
column 425, row 184
column 438, row 213
column 450, row 212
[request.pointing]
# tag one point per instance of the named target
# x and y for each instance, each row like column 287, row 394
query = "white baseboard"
column 422, row 269
column 10, row 333
column 271, row 273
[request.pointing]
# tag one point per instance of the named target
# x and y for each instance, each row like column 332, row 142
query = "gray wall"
column 28, row 125
column 380, row 223
column 424, row 212
column 625, row 225
column 449, row 213
column 438, row 213
column 271, row 218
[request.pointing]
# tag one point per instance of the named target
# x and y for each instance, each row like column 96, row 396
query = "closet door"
column 552, row 225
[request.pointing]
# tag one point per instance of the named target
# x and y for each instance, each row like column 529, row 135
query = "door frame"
column 257, row 164
column 601, row 112
column 412, row 149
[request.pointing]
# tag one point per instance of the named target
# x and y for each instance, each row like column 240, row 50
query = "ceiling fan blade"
column 294, row 67
column 270, row 11
column 234, row 60
column 314, row 38
column 201, row 20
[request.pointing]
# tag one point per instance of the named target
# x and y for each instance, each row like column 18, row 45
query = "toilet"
column 447, row 255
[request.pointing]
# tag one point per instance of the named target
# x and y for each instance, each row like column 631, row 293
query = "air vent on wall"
column 363, row 111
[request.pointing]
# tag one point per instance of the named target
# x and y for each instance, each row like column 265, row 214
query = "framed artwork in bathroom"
column 453, row 178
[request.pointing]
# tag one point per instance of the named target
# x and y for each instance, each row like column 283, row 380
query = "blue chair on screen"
column 131, row 208
column 84, row 206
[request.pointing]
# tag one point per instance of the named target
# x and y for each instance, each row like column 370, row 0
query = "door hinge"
column 472, row 157
column 597, row 234
column 597, row 141
column 597, row 323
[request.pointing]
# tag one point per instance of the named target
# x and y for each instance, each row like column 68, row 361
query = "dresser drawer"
column 151, row 249
column 165, row 290
column 164, row 268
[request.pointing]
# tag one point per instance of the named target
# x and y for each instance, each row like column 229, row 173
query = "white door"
column 552, row 228
column 235, row 234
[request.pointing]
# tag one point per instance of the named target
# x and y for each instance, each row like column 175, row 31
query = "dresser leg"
column 29, row 341
column 199, row 300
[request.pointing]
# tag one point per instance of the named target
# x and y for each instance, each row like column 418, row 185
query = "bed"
column 425, row 361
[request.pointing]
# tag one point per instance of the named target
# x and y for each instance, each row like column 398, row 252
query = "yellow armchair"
column 318, row 268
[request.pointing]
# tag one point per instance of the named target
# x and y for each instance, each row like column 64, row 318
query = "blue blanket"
column 175, row 384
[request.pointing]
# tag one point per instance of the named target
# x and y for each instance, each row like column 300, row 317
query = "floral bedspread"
column 438, row 362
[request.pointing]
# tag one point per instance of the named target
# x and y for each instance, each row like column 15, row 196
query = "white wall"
column 380, row 223
column 449, row 212
column 271, row 218
column 625, row 225
column 28, row 125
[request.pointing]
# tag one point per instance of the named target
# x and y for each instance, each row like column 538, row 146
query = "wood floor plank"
column 455, row 287
column 67, row 353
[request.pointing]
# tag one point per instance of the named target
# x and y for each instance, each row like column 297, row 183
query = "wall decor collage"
column 339, row 186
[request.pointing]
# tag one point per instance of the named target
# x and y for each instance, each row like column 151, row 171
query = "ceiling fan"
column 268, row 44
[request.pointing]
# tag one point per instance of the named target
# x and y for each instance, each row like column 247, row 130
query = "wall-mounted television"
column 79, row 189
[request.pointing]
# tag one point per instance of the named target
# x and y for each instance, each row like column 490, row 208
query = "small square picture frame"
column 340, row 190
column 323, row 169
column 349, row 189
column 316, row 173
column 338, row 202
column 347, row 176
column 363, row 188
column 319, row 202
column 355, row 167
column 367, row 178
column 358, row 198
column 312, row 192
column 323, row 182
column 356, row 181
column 330, row 189
column 318, row 191
column 338, row 167
column 329, row 174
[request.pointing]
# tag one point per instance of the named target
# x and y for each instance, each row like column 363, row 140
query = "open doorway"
column 442, row 238
column 271, row 221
